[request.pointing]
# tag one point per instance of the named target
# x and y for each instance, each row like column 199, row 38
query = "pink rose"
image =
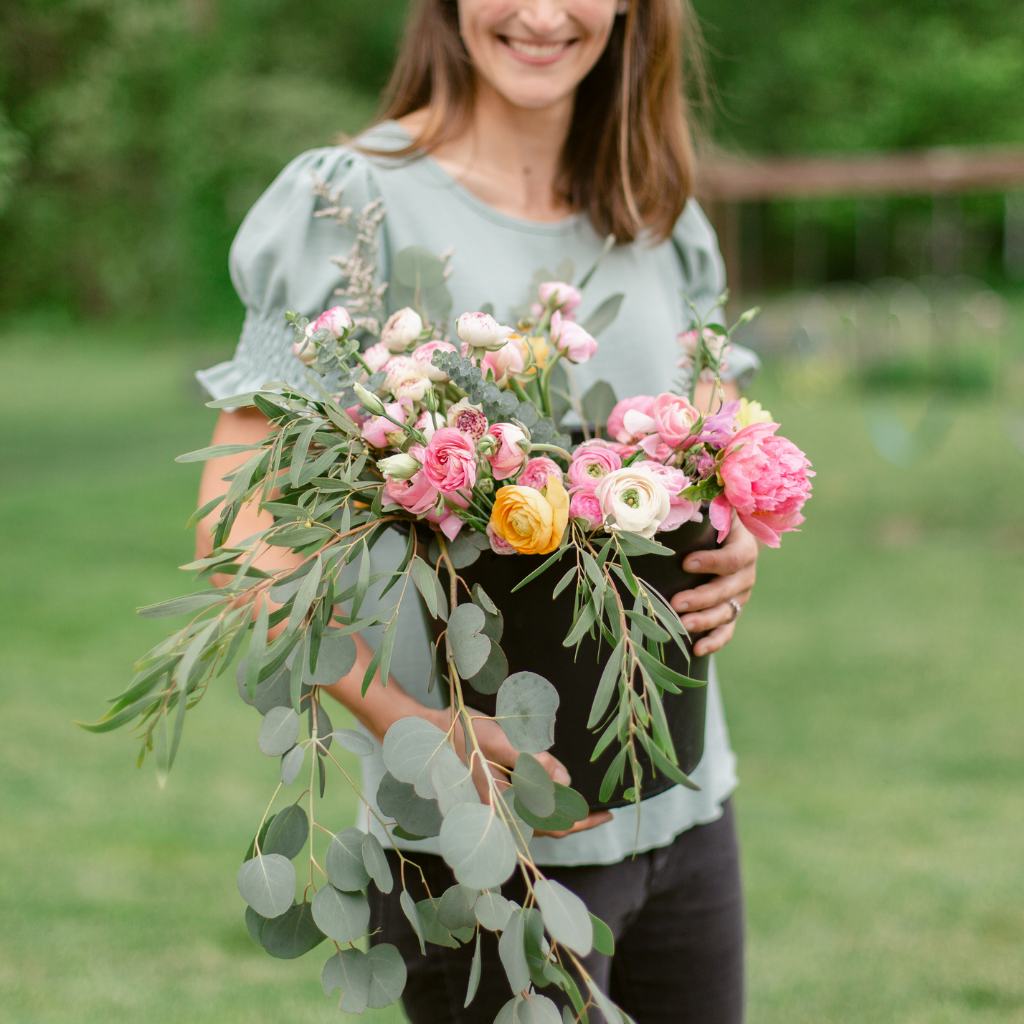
column 505, row 361
column 450, row 461
column 499, row 545
column 336, row 320
column 766, row 482
column 584, row 505
column 682, row 509
column 536, row 472
column 673, row 418
column 376, row 356
column 380, row 432
column 566, row 298
column 591, row 461
column 505, row 462
column 571, row 339
column 643, row 404
column 423, row 354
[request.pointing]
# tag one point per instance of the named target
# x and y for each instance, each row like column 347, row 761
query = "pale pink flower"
column 536, row 472
column 717, row 345
column 445, row 518
column 591, row 461
column 336, row 320
column 499, row 545
column 413, row 384
column 504, row 361
column 423, row 354
column 450, row 461
column 571, row 339
column 766, row 482
column 566, row 297
column 510, row 454
column 376, row 356
column 401, row 330
column 380, row 431
column 397, row 368
column 416, row 495
column 427, row 422
column 674, row 418
column 682, row 510
column 585, row 505
column 616, row 420
column 481, row 330
column 467, row 418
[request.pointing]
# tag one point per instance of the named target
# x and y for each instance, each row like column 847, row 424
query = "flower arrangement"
column 456, row 436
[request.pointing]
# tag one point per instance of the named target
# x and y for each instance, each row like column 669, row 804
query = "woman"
column 521, row 133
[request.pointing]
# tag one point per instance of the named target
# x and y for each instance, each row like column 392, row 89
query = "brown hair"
column 628, row 161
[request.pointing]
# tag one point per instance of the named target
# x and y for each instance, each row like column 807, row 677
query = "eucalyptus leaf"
column 278, row 731
column 255, row 923
column 537, row 1009
column 267, row 884
column 354, row 742
column 293, row 934
column 416, row 815
column 565, row 916
column 387, row 975
column 534, row 788
column 433, row 930
column 342, row 916
column 376, row 863
column 469, row 645
column 598, row 403
column 188, row 604
column 287, row 832
column 455, row 908
column 348, row 970
column 412, row 915
column 493, row 673
column 511, row 950
column 526, row 707
column 604, row 940
column 477, row 846
column 474, row 974
column 492, row 911
column 452, row 780
column 344, row 860
column 604, row 316
column 291, row 764
column 336, row 658
column 409, row 748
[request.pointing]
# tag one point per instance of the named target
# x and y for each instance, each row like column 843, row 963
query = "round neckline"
column 478, row 205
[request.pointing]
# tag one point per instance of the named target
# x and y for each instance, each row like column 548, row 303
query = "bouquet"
column 456, row 437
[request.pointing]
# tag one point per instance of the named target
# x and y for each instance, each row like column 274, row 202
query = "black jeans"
column 676, row 914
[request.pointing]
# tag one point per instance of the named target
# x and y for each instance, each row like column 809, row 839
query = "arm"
column 381, row 706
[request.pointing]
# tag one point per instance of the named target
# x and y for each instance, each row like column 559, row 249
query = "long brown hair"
column 628, row 161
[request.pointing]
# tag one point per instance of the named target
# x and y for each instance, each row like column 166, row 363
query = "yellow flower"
column 751, row 412
column 536, row 352
column 531, row 521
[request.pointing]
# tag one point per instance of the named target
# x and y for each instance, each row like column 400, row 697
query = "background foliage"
column 134, row 134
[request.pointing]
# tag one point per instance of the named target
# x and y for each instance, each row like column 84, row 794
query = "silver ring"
column 736, row 609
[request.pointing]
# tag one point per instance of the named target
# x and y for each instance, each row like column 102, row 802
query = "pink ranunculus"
column 566, row 297
column 536, row 472
column 623, row 450
column 674, row 417
column 499, row 545
column 396, row 369
column 584, row 505
column 766, row 482
column 450, row 461
column 591, row 461
column 505, row 361
column 381, row 432
column 467, row 418
column 416, row 495
column 510, row 455
column 376, row 356
column 446, row 519
column 424, row 353
column 682, row 510
column 571, row 339
column 336, row 320
column 616, row 420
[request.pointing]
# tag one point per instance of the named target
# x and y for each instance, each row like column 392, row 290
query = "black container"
column 536, row 625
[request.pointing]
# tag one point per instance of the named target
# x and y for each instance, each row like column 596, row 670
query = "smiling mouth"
column 538, row 51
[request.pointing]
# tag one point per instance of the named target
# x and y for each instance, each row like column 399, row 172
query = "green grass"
column 873, row 693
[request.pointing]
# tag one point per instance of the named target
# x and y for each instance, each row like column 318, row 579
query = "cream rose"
column 633, row 500
column 401, row 330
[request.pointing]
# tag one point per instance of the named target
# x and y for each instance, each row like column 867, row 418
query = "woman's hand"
column 707, row 607
column 496, row 747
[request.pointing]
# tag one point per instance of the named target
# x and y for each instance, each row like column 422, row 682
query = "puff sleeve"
column 696, row 244
column 281, row 259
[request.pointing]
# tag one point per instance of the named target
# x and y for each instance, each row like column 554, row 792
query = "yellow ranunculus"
column 532, row 522
column 536, row 352
column 751, row 412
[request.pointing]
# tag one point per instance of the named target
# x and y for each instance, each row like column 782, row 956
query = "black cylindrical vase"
column 536, row 625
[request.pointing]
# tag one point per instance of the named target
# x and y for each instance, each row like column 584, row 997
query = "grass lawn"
column 873, row 691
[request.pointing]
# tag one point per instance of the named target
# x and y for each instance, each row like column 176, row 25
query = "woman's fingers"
column 718, row 615
column 740, row 549
column 553, row 767
column 590, row 821
column 715, row 592
column 715, row 640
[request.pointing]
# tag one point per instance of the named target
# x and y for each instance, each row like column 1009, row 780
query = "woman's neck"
column 509, row 157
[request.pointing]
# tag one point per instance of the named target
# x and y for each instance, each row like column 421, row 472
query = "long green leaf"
column 183, row 605
column 536, row 572
column 299, row 453
column 217, row 451
column 257, row 646
column 606, row 687
column 306, row 593
column 586, row 619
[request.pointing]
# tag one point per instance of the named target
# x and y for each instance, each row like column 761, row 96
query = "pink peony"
column 423, row 354
column 450, row 461
column 376, row 356
column 505, row 462
column 536, row 472
column 380, row 432
column 566, row 298
column 766, row 482
column 505, row 361
column 499, row 545
column 616, row 421
column 682, row 510
column 336, row 320
column 571, row 339
column 584, row 505
column 591, row 461
column 673, row 417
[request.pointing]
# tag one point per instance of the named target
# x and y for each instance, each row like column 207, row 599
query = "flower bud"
column 487, row 445
column 336, row 320
column 481, row 330
column 402, row 329
column 399, row 467
column 369, row 400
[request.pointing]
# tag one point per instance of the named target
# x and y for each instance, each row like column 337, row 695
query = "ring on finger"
column 736, row 609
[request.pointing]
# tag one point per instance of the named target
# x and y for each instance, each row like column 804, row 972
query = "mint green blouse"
column 280, row 260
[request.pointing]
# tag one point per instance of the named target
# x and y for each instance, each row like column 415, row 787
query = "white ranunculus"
column 336, row 320
column 376, row 356
column 481, row 330
column 402, row 329
column 399, row 467
column 633, row 500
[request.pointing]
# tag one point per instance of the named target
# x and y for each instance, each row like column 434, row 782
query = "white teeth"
column 536, row 49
